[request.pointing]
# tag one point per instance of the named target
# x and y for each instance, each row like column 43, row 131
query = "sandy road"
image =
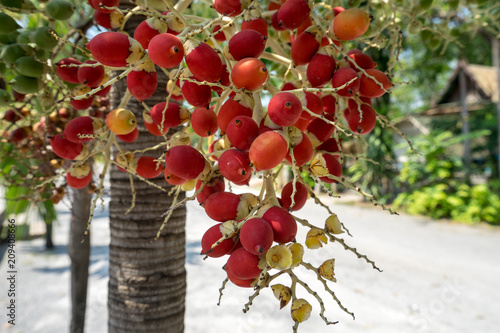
column 437, row 277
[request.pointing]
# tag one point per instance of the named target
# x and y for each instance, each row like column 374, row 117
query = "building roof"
column 482, row 89
column 483, row 78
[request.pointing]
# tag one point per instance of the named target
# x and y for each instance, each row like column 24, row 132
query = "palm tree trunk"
column 80, row 257
column 147, row 279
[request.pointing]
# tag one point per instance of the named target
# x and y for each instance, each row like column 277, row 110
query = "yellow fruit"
column 315, row 237
column 279, row 257
column 326, row 270
column 282, row 294
column 332, row 224
column 301, row 310
column 121, row 121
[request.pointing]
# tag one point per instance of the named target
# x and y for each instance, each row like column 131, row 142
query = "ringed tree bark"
column 147, row 279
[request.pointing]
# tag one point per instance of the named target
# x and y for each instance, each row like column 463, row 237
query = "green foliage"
column 435, row 183
column 467, row 204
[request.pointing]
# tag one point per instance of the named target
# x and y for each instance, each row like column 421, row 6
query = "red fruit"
column 256, row 236
column 329, row 104
column 373, row 88
column 219, row 36
column 79, row 177
column 234, row 106
column 115, row 49
column 320, row 69
column 66, row 149
column 153, row 128
column 18, row 134
column 210, row 237
column 331, row 146
column 18, row 96
column 171, row 178
column 196, row 94
column 170, row 116
column 131, row 137
column 148, row 167
column 288, row 86
column 282, row 223
column 350, row 24
column 241, row 132
column 166, row 50
column 362, row 60
column 300, row 196
column 107, row 3
column 90, row 76
column 275, row 23
column 148, row 29
column 247, row 44
column 249, row 73
column 245, row 181
column 334, row 168
column 68, row 74
column 203, row 62
column 363, row 119
column 293, row 13
column 302, row 152
column 243, row 264
column 313, row 103
column 302, row 123
column 234, row 165
column 341, row 77
column 11, row 116
column 319, row 130
column 306, row 24
column 337, row 10
column 268, row 150
column 215, row 184
column 284, row 109
column 109, row 21
column 142, row 84
column 228, row 7
column 304, row 47
column 204, row 121
column 82, row 125
column 81, row 103
column 243, row 283
column 185, row 161
column 222, row 206
column 224, row 81
column 257, row 24
column 354, row 103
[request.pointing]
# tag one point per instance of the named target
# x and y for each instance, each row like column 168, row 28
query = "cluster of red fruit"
column 215, row 92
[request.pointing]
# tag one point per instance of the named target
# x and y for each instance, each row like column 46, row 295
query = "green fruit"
column 20, row 4
column 26, row 85
column 28, row 66
column 426, row 4
column 5, row 98
column 12, row 52
column 7, row 39
column 8, row 24
column 42, row 55
column 453, row 4
column 353, row 3
column 60, row 9
column 425, row 35
column 24, row 37
column 3, row 68
column 414, row 27
column 434, row 43
column 43, row 38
